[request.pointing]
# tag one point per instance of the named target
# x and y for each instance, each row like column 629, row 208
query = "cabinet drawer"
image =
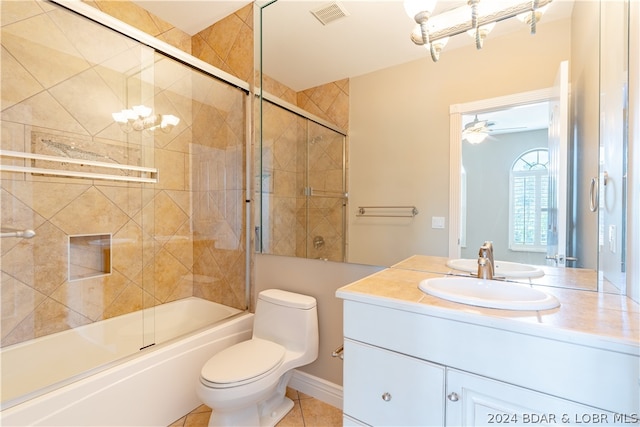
column 477, row 401
column 382, row 387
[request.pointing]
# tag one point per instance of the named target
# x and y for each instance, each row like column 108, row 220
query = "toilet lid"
column 243, row 361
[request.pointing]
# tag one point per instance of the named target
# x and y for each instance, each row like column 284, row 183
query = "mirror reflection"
column 505, row 158
column 392, row 102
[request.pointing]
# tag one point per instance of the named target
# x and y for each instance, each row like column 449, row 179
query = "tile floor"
column 306, row 412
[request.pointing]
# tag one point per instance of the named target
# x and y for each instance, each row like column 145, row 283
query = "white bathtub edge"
column 154, row 389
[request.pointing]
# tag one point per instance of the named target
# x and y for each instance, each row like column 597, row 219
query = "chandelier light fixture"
column 477, row 18
column 139, row 118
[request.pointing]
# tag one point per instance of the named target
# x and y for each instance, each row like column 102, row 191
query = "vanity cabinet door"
column 382, row 387
column 473, row 400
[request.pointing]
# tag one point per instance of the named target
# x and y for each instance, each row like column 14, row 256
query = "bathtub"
column 92, row 379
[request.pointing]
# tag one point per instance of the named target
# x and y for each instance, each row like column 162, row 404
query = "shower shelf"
column 147, row 175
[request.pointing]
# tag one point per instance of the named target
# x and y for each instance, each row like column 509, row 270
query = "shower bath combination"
column 107, row 231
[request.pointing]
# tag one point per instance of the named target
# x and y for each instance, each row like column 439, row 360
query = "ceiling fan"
column 476, row 131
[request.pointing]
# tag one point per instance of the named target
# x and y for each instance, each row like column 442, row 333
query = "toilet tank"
column 287, row 318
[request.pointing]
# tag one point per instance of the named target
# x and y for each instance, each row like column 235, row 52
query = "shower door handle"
column 593, row 195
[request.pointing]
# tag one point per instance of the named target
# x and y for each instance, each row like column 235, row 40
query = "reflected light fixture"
column 475, row 137
column 477, row 18
column 139, row 118
column 476, row 131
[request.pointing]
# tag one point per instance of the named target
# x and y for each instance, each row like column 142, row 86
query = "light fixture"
column 481, row 33
column 477, row 18
column 532, row 18
column 436, row 47
column 475, row 137
column 139, row 118
column 476, row 131
column 420, row 11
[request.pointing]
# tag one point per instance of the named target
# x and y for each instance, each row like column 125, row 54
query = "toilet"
column 245, row 384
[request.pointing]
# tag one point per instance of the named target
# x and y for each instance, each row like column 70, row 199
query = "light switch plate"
column 437, row 222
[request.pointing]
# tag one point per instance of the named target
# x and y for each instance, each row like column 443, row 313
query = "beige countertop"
column 585, row 317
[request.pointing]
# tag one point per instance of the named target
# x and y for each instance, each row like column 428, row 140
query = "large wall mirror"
column 357, row 125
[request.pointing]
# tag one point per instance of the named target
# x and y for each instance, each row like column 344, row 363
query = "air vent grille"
column 330, row 12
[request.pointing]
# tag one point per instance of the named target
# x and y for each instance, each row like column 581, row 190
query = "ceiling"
column 374, row 35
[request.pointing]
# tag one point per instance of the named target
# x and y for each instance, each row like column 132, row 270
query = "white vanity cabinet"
column 404, row 367
column 477, row 401
column 386, row 388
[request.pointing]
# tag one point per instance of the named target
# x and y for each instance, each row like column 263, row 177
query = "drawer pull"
column 453, row 396
column 386, row 397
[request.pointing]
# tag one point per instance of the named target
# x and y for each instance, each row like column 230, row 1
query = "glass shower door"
column 81, row 184
column 302, row 187
column 325, row 194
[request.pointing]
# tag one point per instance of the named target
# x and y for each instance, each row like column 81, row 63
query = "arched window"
column 528, row 205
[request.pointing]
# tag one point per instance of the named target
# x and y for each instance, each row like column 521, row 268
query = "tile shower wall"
column 180, row 237
column 228, row 45
column 291, row 222
column 136, row 16
column 299, row 154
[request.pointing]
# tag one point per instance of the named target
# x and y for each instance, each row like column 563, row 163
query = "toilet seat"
column 242, row 363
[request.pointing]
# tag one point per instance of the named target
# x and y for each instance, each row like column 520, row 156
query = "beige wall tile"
column 16, row 82
column 39, row 45
column 154, row 256
column 13, row 11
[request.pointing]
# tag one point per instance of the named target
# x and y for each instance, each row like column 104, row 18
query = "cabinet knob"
column 453, row 396
column 386, row 397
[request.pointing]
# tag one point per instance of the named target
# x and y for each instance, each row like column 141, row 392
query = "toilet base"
column 277, row 413
column 266, row 413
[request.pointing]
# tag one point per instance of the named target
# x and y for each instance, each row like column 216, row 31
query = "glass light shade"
column 169, row 120
column 475, row 137
column 413, row 7
column 119, row 117
column 142, row 110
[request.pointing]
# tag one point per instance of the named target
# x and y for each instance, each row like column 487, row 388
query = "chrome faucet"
column 489, row 246
column 485, row 261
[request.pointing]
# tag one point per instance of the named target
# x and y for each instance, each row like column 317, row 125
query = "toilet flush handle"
column 338, row 352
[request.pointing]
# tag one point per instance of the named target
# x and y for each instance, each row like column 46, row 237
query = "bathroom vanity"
column 415, row 359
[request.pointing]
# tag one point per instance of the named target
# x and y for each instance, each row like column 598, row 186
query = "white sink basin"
column 503, row 268
column 489, row 293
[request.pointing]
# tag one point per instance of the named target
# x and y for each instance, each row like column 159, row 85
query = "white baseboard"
column 318, row 388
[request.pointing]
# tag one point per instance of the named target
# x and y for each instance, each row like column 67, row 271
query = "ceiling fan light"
column 475, row 137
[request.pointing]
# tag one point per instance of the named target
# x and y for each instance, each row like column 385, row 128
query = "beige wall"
column 319, row 279
column 399, row 134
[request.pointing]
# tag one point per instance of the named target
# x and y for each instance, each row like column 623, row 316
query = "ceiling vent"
column 330, row 12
